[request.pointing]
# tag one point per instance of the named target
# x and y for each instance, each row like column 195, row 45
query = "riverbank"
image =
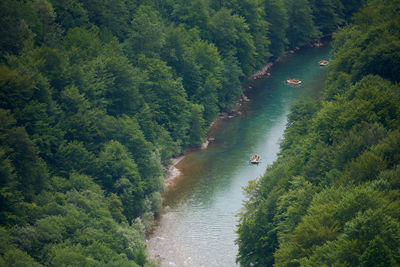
column 173, row 172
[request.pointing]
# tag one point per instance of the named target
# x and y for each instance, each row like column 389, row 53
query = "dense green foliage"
column 97, row 96
column 332, row 197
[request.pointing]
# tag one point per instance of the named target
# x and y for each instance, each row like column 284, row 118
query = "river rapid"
column 197, row 227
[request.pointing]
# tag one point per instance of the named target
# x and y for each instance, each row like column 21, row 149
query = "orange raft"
column 323, row 63
column 293, row 81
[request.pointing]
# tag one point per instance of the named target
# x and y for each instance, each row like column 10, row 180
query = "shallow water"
column 199, row 221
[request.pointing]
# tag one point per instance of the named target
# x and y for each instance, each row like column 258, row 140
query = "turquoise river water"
column 198, row 224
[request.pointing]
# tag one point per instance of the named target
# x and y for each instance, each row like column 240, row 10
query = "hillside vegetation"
column 332, row 198
column 96, row 96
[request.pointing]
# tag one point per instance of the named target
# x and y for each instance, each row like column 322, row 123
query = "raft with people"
column 255, row 159
column 293, row 81
column 324, row 63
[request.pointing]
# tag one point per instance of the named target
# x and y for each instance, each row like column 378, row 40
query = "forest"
column 332, row 197
column 96, row 97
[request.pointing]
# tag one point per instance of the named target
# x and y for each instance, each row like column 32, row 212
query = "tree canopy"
column 97, row 96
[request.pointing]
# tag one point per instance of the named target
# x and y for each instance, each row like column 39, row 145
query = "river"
column 198, row 224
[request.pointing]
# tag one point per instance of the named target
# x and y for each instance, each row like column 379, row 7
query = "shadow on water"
column 198, row 227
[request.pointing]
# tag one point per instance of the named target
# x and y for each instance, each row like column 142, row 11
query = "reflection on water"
column 198, row 225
